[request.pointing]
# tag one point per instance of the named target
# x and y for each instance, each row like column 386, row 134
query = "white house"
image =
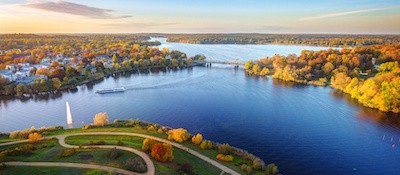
column 8, row 75
column 12, row 67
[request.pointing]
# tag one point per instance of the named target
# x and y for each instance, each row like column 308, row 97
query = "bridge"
column 209, row 61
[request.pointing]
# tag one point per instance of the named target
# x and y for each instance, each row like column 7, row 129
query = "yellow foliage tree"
column 148, row 144
column 264, row 71
column 100, row 119
column 197, row 139
column 34, row 137
column 179, row 135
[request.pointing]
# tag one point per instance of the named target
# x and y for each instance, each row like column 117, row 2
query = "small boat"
column 110, row 90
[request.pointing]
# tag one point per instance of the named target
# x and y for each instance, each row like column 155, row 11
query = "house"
column 12, row 67
column 23, row 73
column 8, row 75
column 45, row 60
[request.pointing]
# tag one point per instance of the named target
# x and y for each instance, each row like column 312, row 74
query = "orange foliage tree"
column 197, row 139
column 162, row 152
column 34, row 137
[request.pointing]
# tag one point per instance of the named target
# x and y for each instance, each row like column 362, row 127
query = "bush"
column 100, row 119
column 249, row 169
column 185, row 168
column 120, row 143
column 206, row 144
column 272, row 169
column 113, row 154
column 179, row 135
column 197, row 139
column 67, row 152
column 100, row 142
column 3, row 166
column 258, row 164
column 225, row 158
column 136, row 165
column 151, row 128
column 34, row 137
column 148, row 144
column 162, row 152
column 243, row 167
column 224, row 149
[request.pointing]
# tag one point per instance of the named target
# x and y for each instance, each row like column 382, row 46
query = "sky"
column 202, row 16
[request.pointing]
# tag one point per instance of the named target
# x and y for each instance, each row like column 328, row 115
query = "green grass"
column 49, row 154
column 180, row 156
column 30, row 170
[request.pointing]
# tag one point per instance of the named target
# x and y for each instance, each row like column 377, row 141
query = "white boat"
column 110, row 90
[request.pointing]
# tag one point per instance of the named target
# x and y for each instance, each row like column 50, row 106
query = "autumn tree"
column 21, row 89
column 197, row 139
column 43, row 71
column 206, row 144
column 148, row 144
column 256, row 69
column 179, row 135
column 264, row 71
column 34, row 137
column 162, row 152
column 100, row 119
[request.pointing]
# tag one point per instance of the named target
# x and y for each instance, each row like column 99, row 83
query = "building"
column 12, row 67
column 8, row 75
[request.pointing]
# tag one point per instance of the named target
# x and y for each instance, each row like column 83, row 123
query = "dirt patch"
column 85, row 156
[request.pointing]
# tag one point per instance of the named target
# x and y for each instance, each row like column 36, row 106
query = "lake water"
column 303, row 129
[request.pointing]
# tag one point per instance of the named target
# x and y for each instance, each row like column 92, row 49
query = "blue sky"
column 206, row 16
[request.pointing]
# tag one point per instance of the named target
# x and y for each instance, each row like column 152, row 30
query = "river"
column 303, row 129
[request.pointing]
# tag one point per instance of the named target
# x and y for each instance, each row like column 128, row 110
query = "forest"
column 370, row 74
column 291, row 39
column 84, row 58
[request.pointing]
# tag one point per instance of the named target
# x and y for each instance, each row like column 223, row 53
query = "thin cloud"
column 138, row 24
column 344, row 13
column 73, row 9
column 275, row 28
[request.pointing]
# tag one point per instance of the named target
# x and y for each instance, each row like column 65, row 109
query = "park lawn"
column 180, row 156
column 89, row 156
column 31, row 170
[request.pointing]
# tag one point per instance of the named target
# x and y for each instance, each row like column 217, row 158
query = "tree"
column 58, row 73
column 340, row 80
column 179, row 135
column 272, row 169
column 256, row 69
column 56, row 83
column 248, row 65
column 21, row 89
column 114, row 58
column 100, row 119
column 224, row 149
column 197, row 139
column 264, row 71
column 70, row 72
column 148, row 144
column 162, row 152
column 43, row 71
column 206, row 144
column 328, row 67
column 34, row 137
column 389, row 66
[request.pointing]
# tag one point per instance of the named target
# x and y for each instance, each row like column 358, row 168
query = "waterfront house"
column 8, row 75
column 12, row 67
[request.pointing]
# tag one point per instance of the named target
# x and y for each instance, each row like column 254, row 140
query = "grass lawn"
column 180, row 156
column 89, row 156
column 30, row 170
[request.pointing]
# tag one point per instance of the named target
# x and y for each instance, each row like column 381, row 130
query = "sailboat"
column 69, row 115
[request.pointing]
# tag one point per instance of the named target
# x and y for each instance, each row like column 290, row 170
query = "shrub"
column 67, row 152
column 179, row 135
column 225, row 158
column 148, row 144
column 162, row 152
column 113, row 154
column 272, row 169
column 224, row 149
column 249, row 169
column 91, row 142
column 136, row 165
column 197, row 139
column 206, row 144
column 100, row 119
column 100, row 142
column 3, row 166
column 243, row 167
column 258, row 164
column 151, row 128
column 120, row 143
column 34, row 137
column 185, row 168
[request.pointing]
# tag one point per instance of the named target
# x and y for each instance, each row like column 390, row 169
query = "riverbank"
column 129, row 129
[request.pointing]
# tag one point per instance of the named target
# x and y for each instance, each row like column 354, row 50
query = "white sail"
column 69, row 116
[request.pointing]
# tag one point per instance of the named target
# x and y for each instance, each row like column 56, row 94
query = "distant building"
column 12, row 67
column 8, row 75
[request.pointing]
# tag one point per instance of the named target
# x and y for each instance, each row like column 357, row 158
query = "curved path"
column 150, row 165
column 73, row 165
